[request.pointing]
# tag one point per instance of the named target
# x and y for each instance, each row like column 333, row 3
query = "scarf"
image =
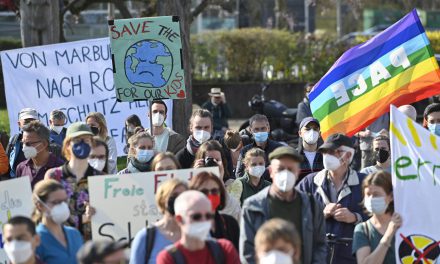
column 192, row 145
column 136, row 166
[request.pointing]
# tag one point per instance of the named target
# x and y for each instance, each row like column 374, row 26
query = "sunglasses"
column 199, row 216
column 213, row 191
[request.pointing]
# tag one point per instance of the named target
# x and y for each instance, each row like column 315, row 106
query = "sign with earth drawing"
column 147, row 58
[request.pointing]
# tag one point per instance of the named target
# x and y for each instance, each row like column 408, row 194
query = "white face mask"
column 201, row 135
column 276, row 257
column 59, row 213
column 311, row 136
column 198, row 230
column 331, row 162
column 157, row 119
column 29, row 152
column 19, row 251
column 375, row 205
column 257, row 171
column 57, row 129
column 284, row 180
column 97, row 164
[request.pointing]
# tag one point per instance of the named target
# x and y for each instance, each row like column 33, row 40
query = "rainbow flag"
column 396, row 67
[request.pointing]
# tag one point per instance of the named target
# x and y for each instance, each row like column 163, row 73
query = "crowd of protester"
column 270, row 203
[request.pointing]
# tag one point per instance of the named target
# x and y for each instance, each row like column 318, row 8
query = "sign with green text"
column 147, row 58
column 415, row 155
column 126, row 203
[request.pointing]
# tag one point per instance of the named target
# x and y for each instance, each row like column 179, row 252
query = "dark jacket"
column 220, row 114
column 303, row 110
column 256, row 213
column 26, row 168
column 226, row 227
column 175, row 142
column 350, row 197
column 305, row 168
column 270, row 146
column 14, row 151
column 185, row 158
column 56, row 138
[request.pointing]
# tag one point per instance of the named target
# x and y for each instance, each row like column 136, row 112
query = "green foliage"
column 248, row 54
column 4, row 120
column 7, row 44
column 433, row 36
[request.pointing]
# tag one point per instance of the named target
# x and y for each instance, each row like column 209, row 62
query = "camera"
column 210, row 162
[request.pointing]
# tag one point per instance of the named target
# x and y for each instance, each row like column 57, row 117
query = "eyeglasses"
column 213, row 191
column 199, row 216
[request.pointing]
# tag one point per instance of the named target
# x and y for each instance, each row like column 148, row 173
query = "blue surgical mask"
column 261, row 137
column 434, row 128
column 81, row 150
column 144, row 155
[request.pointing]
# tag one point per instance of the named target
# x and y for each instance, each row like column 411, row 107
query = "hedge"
column 248, row 54
column 433, row 36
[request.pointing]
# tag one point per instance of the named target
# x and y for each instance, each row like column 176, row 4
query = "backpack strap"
column 216, row 251
column 151, row 234
column 175, row 254
column 366, row 230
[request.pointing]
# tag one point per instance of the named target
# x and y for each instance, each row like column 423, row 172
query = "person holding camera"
column 211, row 154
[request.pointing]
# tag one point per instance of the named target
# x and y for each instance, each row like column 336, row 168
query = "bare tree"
column 182, row 109
column 40, row 22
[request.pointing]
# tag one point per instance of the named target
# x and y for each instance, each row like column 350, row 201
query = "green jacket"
column 242, row 187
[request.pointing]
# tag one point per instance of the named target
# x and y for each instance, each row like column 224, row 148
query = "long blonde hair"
column 41, row 193
column 100, row 119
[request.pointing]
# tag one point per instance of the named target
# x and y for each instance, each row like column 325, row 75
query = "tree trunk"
column 40, row 22
column 182, row 109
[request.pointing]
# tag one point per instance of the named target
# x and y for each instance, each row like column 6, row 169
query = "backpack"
column 213, row 246
column 151, row 234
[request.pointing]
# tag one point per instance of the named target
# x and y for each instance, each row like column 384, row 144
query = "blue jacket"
column 349, row 197
column 256, row 212
column 56, row 138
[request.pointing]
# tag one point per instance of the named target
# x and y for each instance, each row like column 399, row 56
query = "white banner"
column 125, row 203
column 415, row 155
column 15, row 199
column 76, row 77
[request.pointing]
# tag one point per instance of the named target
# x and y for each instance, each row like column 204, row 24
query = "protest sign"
column 75, row 77
column 416, row 183
column 126, row 203
column 147, row 58
column 15, row 199
column 397, row 67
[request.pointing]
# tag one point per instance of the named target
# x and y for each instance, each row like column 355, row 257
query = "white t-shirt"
column 310, row 155
column 161, row 141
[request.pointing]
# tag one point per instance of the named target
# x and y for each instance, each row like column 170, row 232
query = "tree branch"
column 122, row 8
column 199, row 9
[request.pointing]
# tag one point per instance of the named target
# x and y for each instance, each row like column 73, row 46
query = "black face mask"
column 170, row 205
column 95, row 130
column 382, row 155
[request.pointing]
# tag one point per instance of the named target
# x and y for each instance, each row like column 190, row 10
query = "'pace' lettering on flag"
column 395, row 67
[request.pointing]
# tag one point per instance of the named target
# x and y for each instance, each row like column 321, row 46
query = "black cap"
column 307, row 120
column 335, row 141
column 95, row 251
column 285, row 152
